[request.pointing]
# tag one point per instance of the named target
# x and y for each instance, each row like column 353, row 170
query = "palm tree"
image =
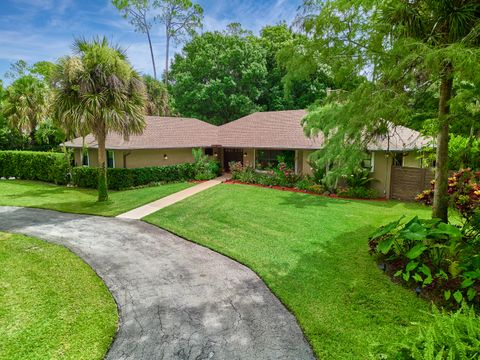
column 97, row 91
column 26, row 104
column 440, row 28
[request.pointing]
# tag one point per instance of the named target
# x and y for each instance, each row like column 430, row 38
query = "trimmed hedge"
column 33, row 165
column 119, row 179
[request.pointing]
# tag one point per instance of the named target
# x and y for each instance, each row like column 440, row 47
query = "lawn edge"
column 118, row 317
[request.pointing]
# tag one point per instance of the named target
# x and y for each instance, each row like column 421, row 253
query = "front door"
column 231, row 154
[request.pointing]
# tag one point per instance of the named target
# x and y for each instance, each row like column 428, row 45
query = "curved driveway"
column 176, row 300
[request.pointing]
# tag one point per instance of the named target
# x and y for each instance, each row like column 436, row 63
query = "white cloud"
column 48, row 27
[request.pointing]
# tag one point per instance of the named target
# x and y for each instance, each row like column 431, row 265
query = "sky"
column 37, row 30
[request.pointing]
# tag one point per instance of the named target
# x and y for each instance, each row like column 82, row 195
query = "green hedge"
column 118, row 179
column 33, row 165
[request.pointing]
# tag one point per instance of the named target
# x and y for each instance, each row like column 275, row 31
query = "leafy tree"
column 137, row 12
column 181, row 18
column 401, row 47
column 219, row 77
column 158, row 102
column 97, row 91
column 10, row 139
column 26, row 104
column 442, row 34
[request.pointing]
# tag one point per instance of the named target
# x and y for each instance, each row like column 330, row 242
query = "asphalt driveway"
column 176, row 300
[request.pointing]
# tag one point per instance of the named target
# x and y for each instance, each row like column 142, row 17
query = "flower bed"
column 283, row 178
column 290, row 189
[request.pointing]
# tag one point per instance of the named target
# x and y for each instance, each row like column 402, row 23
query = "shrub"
column 359, row 192
column 464, row 191
column 448, row 336
column 127, row 178
column 359, row 179
column 304, row 183
column 31, row 165
column 317, row 189
column 431, row 256
column 205, row 169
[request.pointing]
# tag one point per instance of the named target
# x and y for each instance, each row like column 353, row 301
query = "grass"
column 81, row 201
column 52, row 304
column 312, row 252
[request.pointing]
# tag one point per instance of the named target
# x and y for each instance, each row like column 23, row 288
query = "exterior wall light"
column 215, row 154
column 244, row 154
column 165, row 157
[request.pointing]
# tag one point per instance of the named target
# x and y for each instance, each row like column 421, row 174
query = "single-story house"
column 255, row 140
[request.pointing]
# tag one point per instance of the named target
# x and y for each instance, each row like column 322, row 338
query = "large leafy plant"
column 431, row 256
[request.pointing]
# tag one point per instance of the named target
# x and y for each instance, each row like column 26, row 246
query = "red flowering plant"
column 464, row 191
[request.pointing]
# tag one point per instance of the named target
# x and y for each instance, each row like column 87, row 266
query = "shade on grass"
column 52, row 304
column 312, row 252
column 82, row 201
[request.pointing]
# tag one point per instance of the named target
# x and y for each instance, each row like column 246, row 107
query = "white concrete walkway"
column 148, row 209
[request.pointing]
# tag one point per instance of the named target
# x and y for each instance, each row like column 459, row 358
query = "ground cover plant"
column 311, row 252
column 82, row 201
column 53, row 305
column 442, row 260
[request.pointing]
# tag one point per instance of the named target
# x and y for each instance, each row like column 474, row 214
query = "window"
column 110, row 159
column 397, row 159
column 369, row 162
column 85, row 158
column 209, row 151
column 269, row 159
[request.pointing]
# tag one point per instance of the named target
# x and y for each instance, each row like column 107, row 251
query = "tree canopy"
column 219, row 76
column 399, row 51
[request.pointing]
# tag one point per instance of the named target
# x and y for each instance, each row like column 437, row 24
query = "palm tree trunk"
column 441, row 197
column 102, row 168
column 151, row 54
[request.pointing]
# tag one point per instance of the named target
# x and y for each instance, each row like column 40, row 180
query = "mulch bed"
column 283, row 188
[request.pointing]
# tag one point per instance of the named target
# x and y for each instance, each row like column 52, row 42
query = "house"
column 256, row 140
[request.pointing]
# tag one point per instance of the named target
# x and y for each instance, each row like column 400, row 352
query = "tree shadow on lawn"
column 347, row 307
column 306, row 200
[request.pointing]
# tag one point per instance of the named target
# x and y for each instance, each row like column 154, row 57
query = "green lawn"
column 312, row 252
column 52, row 304
column 82, row 201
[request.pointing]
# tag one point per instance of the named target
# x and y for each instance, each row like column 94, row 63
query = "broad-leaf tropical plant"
column 97, row 91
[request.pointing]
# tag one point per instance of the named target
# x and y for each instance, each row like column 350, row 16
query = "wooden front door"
column 231, row 154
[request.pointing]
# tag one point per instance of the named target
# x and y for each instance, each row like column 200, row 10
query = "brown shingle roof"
column 274, row 129
column 160, row 133
column 400, row 138
column 267, row 130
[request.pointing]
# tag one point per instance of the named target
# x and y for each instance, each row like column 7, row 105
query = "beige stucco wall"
column 92, row 157
column 383, row 167
column 249, row 159
column 306, row 168
column 144, row 158
column 381, row 173
column 411, row 160
column 140, row 158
